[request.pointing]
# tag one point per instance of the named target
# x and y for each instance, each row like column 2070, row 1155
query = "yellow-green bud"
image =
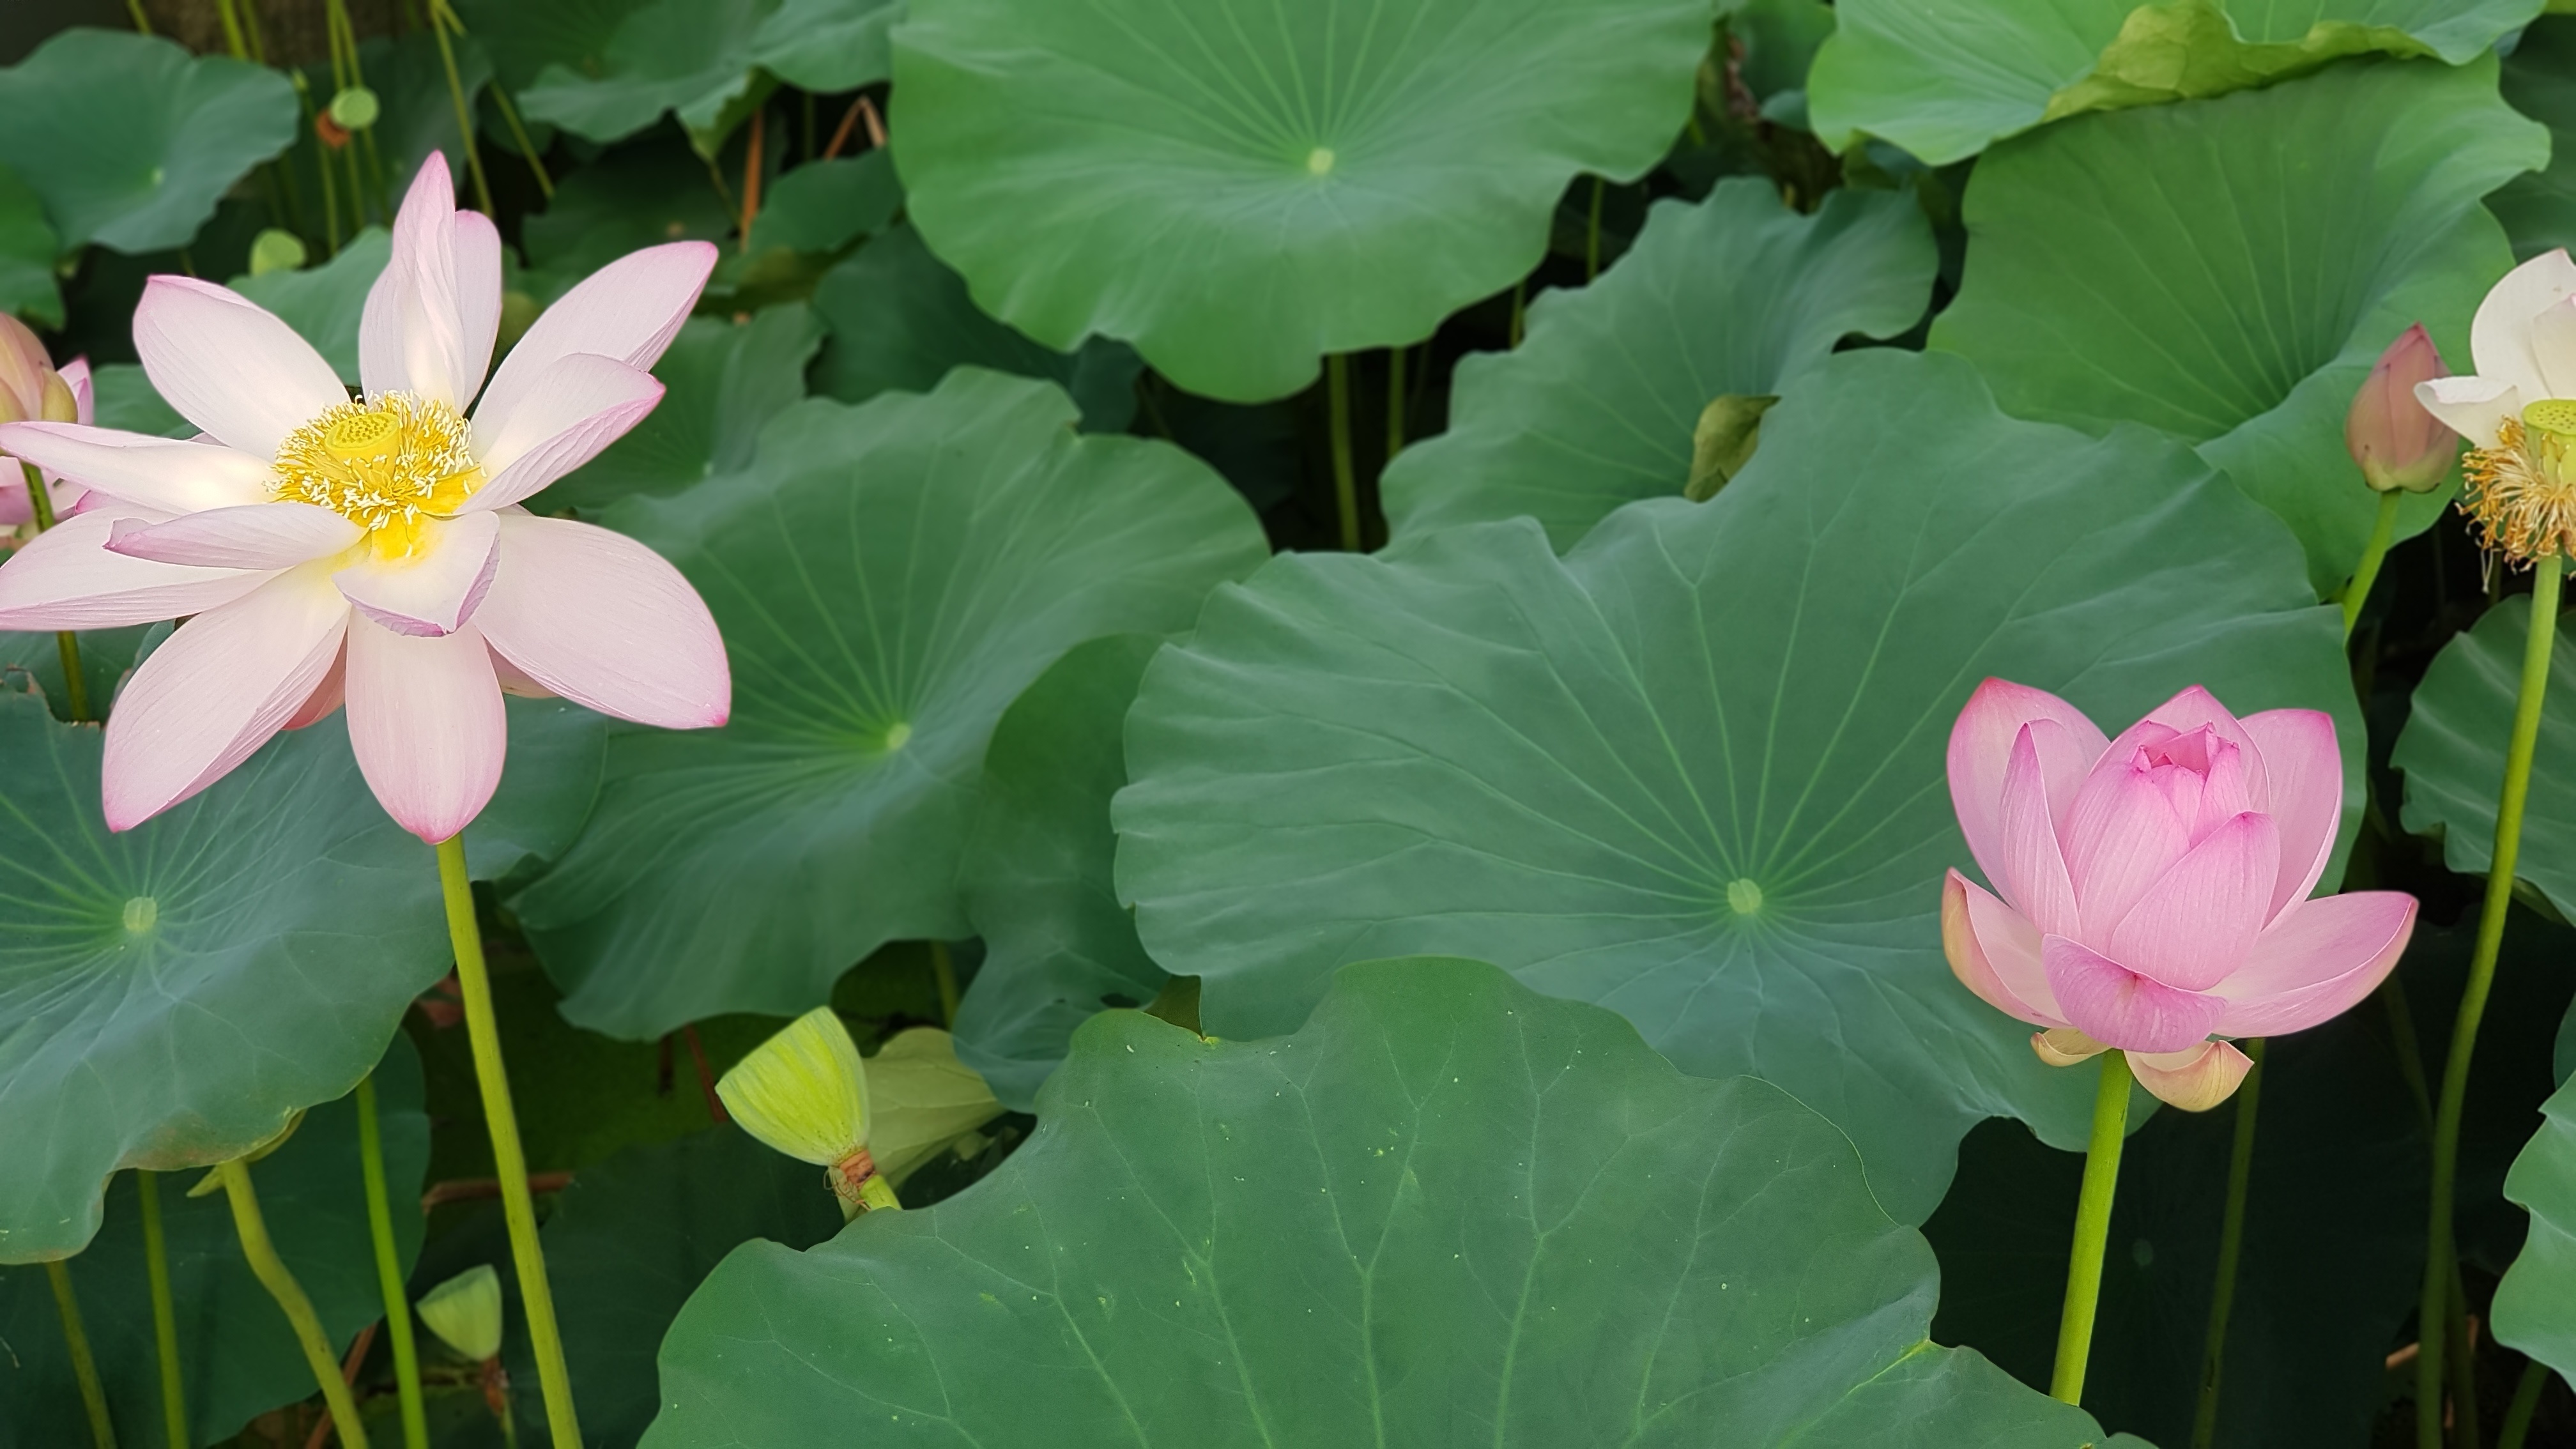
column 465, row 1312
column 923, row 1099
column 275, row 249
column 803, row 1091
column 355, row 109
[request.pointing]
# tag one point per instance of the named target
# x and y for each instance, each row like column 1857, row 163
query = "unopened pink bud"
column 2396, row 443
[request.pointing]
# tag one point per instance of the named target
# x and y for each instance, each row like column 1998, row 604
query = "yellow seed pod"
column 465, row 1312
column 802, row 1091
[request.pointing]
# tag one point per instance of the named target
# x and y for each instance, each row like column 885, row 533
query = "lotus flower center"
column 385, row 465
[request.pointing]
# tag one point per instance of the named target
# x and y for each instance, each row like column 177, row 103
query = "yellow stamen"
column 2522, row 492
column 385, row 465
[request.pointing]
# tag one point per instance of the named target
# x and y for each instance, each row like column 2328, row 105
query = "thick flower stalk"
column 368, row 551
column 2399, row 447
column 804, row 1092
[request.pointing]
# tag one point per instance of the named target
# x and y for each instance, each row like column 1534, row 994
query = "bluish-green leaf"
column 2452, row 754
column 726, row 379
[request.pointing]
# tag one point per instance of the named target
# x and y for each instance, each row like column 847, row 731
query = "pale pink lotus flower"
column 2518, row 411
column 2154, row 888
column 369, row 552
column 30, row 388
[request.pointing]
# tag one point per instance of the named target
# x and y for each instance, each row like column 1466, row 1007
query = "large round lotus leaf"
column 1943, row 78
column 1447, row 1203
column 2539, row 209
column 176, row 992
column 619, row 67
column 1693, row 771
column 1598, row 405
column 888, row 579
column 27, row 247
column 323, row 303
column 828, row 45
column 548, row 782
column 1058, row 946
column 2333, row 1254
column 901, row 319
column 2535, row 1304
column 724, row 380
column 1239, row 187
column 237, row 1356
column 129, row 141
column 35, row 661
column 2452, row 753
column 2166, row 266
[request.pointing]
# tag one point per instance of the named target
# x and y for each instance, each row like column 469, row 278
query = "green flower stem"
column 142, row 22
column 944, row 971
column 102, row 1429
column 389, row 1275
column 75, row 688
column 2092, row 1229
column 443, row 22
column 2373, row 554
column 165, row 1314
column 2231, row 1246
column 273, row 1275
column 509, row 1161
column 2434, row 1309
column 1394, row 402
column 2526, row 1401
column 1346, row 487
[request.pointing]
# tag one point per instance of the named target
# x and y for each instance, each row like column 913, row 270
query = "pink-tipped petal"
column 2500, row 335
column 426, row 723
column 215, row 691
column 2193, row 927
column 66, row 579
column 2064, row 1046
column 1981, row 746
column 627, row 311
column 580, row 406
column 478, row 296
column 431, row 315
column 2473, row 407
column 605, row 622
column 325, row 699
column 2034, row 877
column 160, row 473
column 2194, row 1079
column 2110, row 1003
column 2121, row 837
column 437, row 587
column 2316, row 962
column 2304, row 769
column 2196, row 708
column 229, row 366
column 247, row 536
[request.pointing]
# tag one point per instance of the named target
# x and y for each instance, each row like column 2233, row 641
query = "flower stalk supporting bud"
column 273, row 1275
column 2092, row 1229
column 102, row 1430
column 165, row 1312
column 389, row 1273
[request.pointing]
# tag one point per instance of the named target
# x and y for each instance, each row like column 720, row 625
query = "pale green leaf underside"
column 1946, row 78
column 1239, row 187
column 888, row 578
column 2535, row 1305
column 1448, row 1211
column 2452, row 754
column 1693, row 771
column 1596, row 407
column 2228, row 270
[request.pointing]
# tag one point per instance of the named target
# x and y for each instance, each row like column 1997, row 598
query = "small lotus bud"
column 803, row 1091
column 465, row 1312
column 356, row 108
column 275, row 250
column 2396, row 443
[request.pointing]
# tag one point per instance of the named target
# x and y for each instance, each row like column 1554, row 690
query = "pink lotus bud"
column 2151, row 892
column 2390, row 435
column 30, row 389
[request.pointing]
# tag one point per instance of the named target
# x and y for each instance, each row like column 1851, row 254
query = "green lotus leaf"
column 35, row 661
column 548, row 782
column 177, row 991
column 27, row 248
column 2535, row 1304
column 2163, row 266
column 1239, row 189
column 1693, row 771
column 1596, row 407
column 888, row 579
column 826, row 205
column 725, row 380
column 635, row 196
column 127, row 401
column 632, row 1238
column 2539, row 209
column 653, row 58
column 2333, row 1252
column 828, row 46
column 237, row 1356
column 130, row 141
column 1447, row 1202
column 2452, row 754
column 1058, row 946
column 1946, row 78
column 901, row 319
column 323, row 303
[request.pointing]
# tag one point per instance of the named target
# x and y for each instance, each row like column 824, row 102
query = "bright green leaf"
column 237, row 1356
column 692, row 57
column 2539, row 209
column 130, row 141
column 1239, row 188
column 1447, row 1203
column 323, row 303
column 128, row 403
column 1693, row 771
column 1596, row 407
column 2171, row 266
column 2452, row 754
column 2535, row 1304
column 1058, row 946
column 1945, row 78
column 178, row 990
column 826, row 205
column 828, row 46
column 725, row 381
column 27, row 248
column 888, row 579
column 901, row 319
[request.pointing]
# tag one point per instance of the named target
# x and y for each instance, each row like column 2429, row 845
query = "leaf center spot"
column 898, row 735
column 1319, row 161
column 140, row 913
column 1744, row 896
